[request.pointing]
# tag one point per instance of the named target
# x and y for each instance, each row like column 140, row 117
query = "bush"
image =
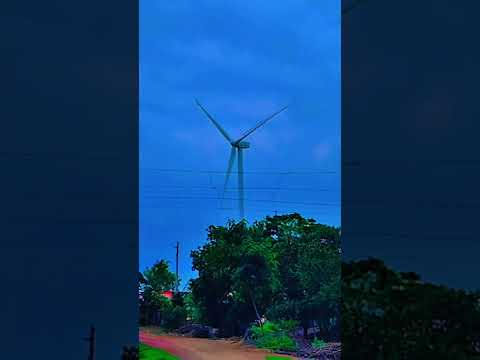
column 174, row 317
column 274, row 335
column 288, row 325
column 269, row 328
column 318, row 344
column 277, row 342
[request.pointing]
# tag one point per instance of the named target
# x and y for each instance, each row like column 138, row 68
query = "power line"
column 267, row 188
column 379, row 203
column 323, row 172
column 256, row 206
column 252, row 200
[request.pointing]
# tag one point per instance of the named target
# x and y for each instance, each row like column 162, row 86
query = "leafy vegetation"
column 284, row 267
column 193, row 312
column 405, row 318
column 318, row 344
column 149, row 353
column 274, row 336
column 154, row 282
column 288, row 270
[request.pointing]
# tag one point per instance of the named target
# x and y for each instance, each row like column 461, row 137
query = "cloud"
column 322, row 150
column 243, row 61
column 199, row 140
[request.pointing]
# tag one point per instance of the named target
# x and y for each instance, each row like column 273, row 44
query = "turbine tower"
column 237, row 147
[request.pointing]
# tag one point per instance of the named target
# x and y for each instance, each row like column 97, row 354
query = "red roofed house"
column 168, row 294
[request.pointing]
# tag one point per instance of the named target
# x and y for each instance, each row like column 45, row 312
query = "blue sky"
column 243, row 61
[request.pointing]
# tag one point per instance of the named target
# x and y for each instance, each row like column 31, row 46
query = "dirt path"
column 202, row 349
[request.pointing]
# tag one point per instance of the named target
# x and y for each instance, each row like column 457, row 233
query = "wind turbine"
column 237, row 147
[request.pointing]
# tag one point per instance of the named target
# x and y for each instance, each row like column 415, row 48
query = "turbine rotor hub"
column 242, row 145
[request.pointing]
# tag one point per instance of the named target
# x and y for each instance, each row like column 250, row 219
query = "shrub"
column 174, row 317
column 318, row 344
column 288, row 325
column 277, row 342
column 268, row 328
column 274, row 335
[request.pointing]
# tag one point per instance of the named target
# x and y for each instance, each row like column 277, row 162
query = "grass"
column 273, row 357
column 149, row 353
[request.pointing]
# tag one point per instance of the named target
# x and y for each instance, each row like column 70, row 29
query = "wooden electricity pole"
column 91, row 341
column 176, row 267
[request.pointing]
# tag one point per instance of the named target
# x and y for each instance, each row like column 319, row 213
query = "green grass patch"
column 273, row 357
column 274, row 336
column 149, row 353
column 277, row 342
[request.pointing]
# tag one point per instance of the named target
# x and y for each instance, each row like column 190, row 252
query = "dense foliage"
column 390, row 315
column 283, row 267
column 155, row 308
column 288, row 270
column 274, row 335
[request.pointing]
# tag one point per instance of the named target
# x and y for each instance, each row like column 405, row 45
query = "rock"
column 197, row 331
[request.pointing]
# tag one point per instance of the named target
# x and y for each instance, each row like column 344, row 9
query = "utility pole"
column 91, row 341
column 176, row 267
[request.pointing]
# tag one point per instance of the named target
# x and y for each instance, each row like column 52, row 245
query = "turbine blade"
column 217, row 125
column 229, row 169
column 261, row 123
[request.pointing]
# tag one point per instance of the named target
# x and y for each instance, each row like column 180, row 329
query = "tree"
column 194, row 313
column 310, row 271
column 159, row 278
column 287, row 267
column 319, row 273
column 154, row 282
column 216, row 263
column 404, row 316
column 252, row 274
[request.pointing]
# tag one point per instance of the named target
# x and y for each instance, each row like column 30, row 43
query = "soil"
column 203, row 349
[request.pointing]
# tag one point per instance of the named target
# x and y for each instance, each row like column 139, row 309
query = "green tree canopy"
column 390, row 315
column 155, row 281
column 287, row 267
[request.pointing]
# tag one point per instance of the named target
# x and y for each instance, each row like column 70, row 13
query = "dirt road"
column 202, row 349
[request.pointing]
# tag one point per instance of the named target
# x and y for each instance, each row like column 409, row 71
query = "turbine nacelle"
column 241, row 144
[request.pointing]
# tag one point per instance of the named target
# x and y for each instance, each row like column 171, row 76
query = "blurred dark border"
column 410, row 179
column 68, row 177
column 410, row 125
